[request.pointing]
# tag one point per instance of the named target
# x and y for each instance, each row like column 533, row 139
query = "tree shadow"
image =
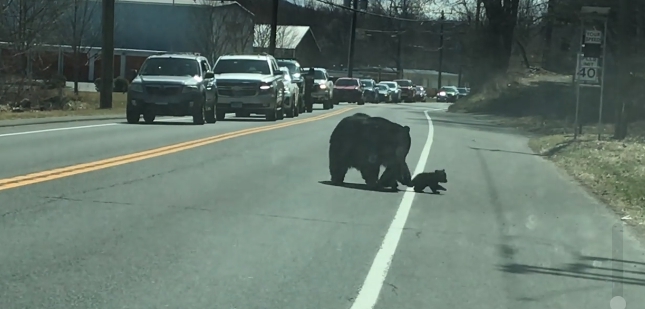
column 582, row 270
column 358, row 186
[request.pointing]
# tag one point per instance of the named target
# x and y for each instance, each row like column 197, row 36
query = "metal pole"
column 107, row 54
column 274, row 27
column 602, row 77
column 352, row 40
column 440, row 51
column 577, row 86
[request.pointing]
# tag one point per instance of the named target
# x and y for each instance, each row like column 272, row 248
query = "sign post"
column 590, row 64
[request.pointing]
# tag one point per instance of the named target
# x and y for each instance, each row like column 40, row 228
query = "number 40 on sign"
column 588, row 70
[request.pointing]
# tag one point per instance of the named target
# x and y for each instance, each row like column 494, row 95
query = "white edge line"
column 371, row 288
column 78, row 127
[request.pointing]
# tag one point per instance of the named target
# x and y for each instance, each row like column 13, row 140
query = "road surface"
column 174, row 215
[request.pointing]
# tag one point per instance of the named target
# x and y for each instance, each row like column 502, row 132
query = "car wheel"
column 149, row 117
column 291, row 112
column 132, row 117
column 198, row 116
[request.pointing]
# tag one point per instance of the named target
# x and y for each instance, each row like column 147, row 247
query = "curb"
column 27, row 121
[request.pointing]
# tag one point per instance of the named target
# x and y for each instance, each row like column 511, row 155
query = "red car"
column 349, row 90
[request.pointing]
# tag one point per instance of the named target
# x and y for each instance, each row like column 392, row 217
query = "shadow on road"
column 506, row 151
column 358, row 186
column 165, row 123
column 584, row 270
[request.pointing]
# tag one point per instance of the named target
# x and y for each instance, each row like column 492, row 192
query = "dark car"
column 173, row 85
column 447, row 95
column 349, row 90
column 463, row 92
column 407, row 89
column 420, row 95
column 370, row 91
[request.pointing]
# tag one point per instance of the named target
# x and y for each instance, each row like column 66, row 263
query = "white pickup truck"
column 249, row 84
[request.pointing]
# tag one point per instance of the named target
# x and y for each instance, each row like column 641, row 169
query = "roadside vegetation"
column 539, row 99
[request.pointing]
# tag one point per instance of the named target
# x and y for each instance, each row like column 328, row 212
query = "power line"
column 373, row 14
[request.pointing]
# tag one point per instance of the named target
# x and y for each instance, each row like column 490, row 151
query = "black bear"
column 432, row 180
column 366, row 143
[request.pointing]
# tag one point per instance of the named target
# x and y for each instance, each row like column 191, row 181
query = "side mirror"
column 209, row 75
column 278, row 73
column 133, row 74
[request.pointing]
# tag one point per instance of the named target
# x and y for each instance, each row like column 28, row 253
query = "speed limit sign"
column 588, row 70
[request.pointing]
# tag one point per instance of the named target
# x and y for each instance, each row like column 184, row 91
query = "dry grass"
column 85, row 104
column 612, row 170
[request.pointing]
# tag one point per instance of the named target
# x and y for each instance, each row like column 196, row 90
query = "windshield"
column 253, row 66
column 346, row 82
column 462, row 90
column 170, row 67
column 390, row 84
column 381, row 87
column 367, row 83
column 293, row 68
column 404, row 83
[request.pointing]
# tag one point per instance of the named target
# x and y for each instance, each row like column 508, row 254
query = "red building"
column 48, row 60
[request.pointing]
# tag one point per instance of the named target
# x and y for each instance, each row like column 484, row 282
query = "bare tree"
column 25, row 26
column 286, row 37
column 222, row 28
column 81, row 32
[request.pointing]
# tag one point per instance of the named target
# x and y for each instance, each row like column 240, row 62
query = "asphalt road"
column 246, row 222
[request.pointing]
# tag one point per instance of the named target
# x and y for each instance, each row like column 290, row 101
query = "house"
column 296, row 42
column 147, row 27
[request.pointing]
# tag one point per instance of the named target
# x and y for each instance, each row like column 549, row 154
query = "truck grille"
column 237, row 89
column 163, row 90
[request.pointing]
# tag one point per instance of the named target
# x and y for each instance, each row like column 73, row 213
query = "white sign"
column 588, row 70
column 593, row 37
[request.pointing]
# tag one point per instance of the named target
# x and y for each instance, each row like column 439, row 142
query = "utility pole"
column 399, row 36
column 352, row 40
column 107, row 54
column 274, row 27
column 443, row 17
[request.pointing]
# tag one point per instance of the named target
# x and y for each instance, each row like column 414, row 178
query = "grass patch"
column 83, row 104
column 612, row 170
column 544, row 105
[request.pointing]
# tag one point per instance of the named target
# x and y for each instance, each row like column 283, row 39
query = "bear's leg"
column 388, row 179
column 419, row 188
column 370, row 174
column 338, row 165
column 440, row 187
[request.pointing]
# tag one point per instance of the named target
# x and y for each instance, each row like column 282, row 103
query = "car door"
column 209, row 83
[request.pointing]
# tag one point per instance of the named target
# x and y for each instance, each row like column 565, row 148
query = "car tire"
column 361, row 102
column 210, row 115
column 132, row 117
column 291, row 112
column 149, row 117
column 199, row 115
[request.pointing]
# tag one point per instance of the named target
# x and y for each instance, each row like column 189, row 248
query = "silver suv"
column 172, row 85
column 249, row 84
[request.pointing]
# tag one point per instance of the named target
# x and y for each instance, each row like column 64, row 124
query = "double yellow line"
column 58, row 173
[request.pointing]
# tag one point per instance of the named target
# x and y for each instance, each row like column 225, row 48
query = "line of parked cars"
column 185, row 84
column 330, row 91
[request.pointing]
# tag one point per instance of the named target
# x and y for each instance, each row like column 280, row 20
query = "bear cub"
column 430, row 179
